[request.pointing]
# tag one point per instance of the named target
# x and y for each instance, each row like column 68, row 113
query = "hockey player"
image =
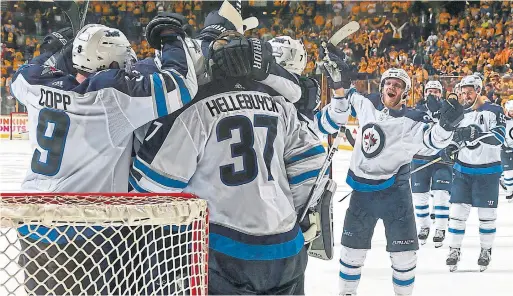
column 277, row 78
column 291, row 54
column 507, row 151
column 252, row 160
column 81, row 128
column 390, row 135
column 477, row 170
column 436, row 177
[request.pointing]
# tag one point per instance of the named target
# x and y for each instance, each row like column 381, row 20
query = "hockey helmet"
column 508, row 106
column 290, row 53
column 97, row 46
column 399, row 74
column 474, row 81
column 433, row 84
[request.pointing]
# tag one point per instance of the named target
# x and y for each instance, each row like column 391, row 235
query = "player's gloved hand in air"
column 165, row 27
column 339, row 72
column 214, row 26
column 466, row 134
column 434, row 105
column 451, row 113
column 449, row 153
column 261, row 59
column 55, row 41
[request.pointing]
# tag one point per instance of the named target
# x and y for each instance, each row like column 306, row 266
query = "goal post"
column 18, row 126
column 103, row 244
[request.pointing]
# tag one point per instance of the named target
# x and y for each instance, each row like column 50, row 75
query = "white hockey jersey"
column 387, row 141
column 244, row 152
column 81, row 133
column 483, row 156
column 508, row 142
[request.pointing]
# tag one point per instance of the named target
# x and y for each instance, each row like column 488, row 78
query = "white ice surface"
column 433, row 277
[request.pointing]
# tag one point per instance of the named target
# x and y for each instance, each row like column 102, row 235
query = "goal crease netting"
column 103, row 244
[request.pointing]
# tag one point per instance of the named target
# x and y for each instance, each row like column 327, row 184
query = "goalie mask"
column 96, row 47
column 433, row 85
column 398, row 74
column 470, row 90
column 289, row 53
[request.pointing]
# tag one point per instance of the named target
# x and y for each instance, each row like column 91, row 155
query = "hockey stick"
column 72, row 11
column 440, row 159
column 234, row 15
column 322, row 171
column 340, row 35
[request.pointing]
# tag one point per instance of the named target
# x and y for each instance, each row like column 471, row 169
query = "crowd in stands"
column 422, row 37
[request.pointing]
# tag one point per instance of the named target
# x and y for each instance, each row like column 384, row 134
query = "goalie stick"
column 234, row 15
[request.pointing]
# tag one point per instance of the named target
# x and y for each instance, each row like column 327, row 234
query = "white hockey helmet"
column 97, row 46
column 472, row 80
column 433, row 84
column 399, row 74
column 457, row 88
column 290, row 53
column 508, row 106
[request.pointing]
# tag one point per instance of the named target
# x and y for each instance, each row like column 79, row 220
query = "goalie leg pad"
column 322, row 246
column 351, row 263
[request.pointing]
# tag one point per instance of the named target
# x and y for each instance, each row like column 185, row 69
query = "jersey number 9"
column 245, row 149
column 52, row 130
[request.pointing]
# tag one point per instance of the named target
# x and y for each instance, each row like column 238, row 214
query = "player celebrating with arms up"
column 390, row 135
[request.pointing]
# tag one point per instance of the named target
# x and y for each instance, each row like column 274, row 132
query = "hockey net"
column 18, row 126
column 103, row 244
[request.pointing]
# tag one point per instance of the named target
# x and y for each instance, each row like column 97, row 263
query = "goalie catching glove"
column 165, row 27
column 237, row 56
column 317, row 226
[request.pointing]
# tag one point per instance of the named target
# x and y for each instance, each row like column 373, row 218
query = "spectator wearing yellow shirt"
column 443, row 19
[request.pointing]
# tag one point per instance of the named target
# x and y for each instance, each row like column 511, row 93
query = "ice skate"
column 484, row 259
column 438, row 238
column 453, row 258
column 509, row 197
column 423, row 235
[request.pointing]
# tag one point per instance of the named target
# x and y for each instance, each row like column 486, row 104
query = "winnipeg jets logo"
column 239, row 86
column 373, row 140
column 57, row 84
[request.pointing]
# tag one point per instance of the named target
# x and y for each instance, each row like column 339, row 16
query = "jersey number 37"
column 52, row 130
column 244, row 148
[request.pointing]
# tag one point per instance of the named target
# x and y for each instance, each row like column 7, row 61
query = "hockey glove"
column 55, row 41
column 466, row 134
column 339, row 72
column 434, row 105
column 231, row 54
column 165, row 27
column 215, row 25
column 449, row 153
column 451, row 113
column 261, row 59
